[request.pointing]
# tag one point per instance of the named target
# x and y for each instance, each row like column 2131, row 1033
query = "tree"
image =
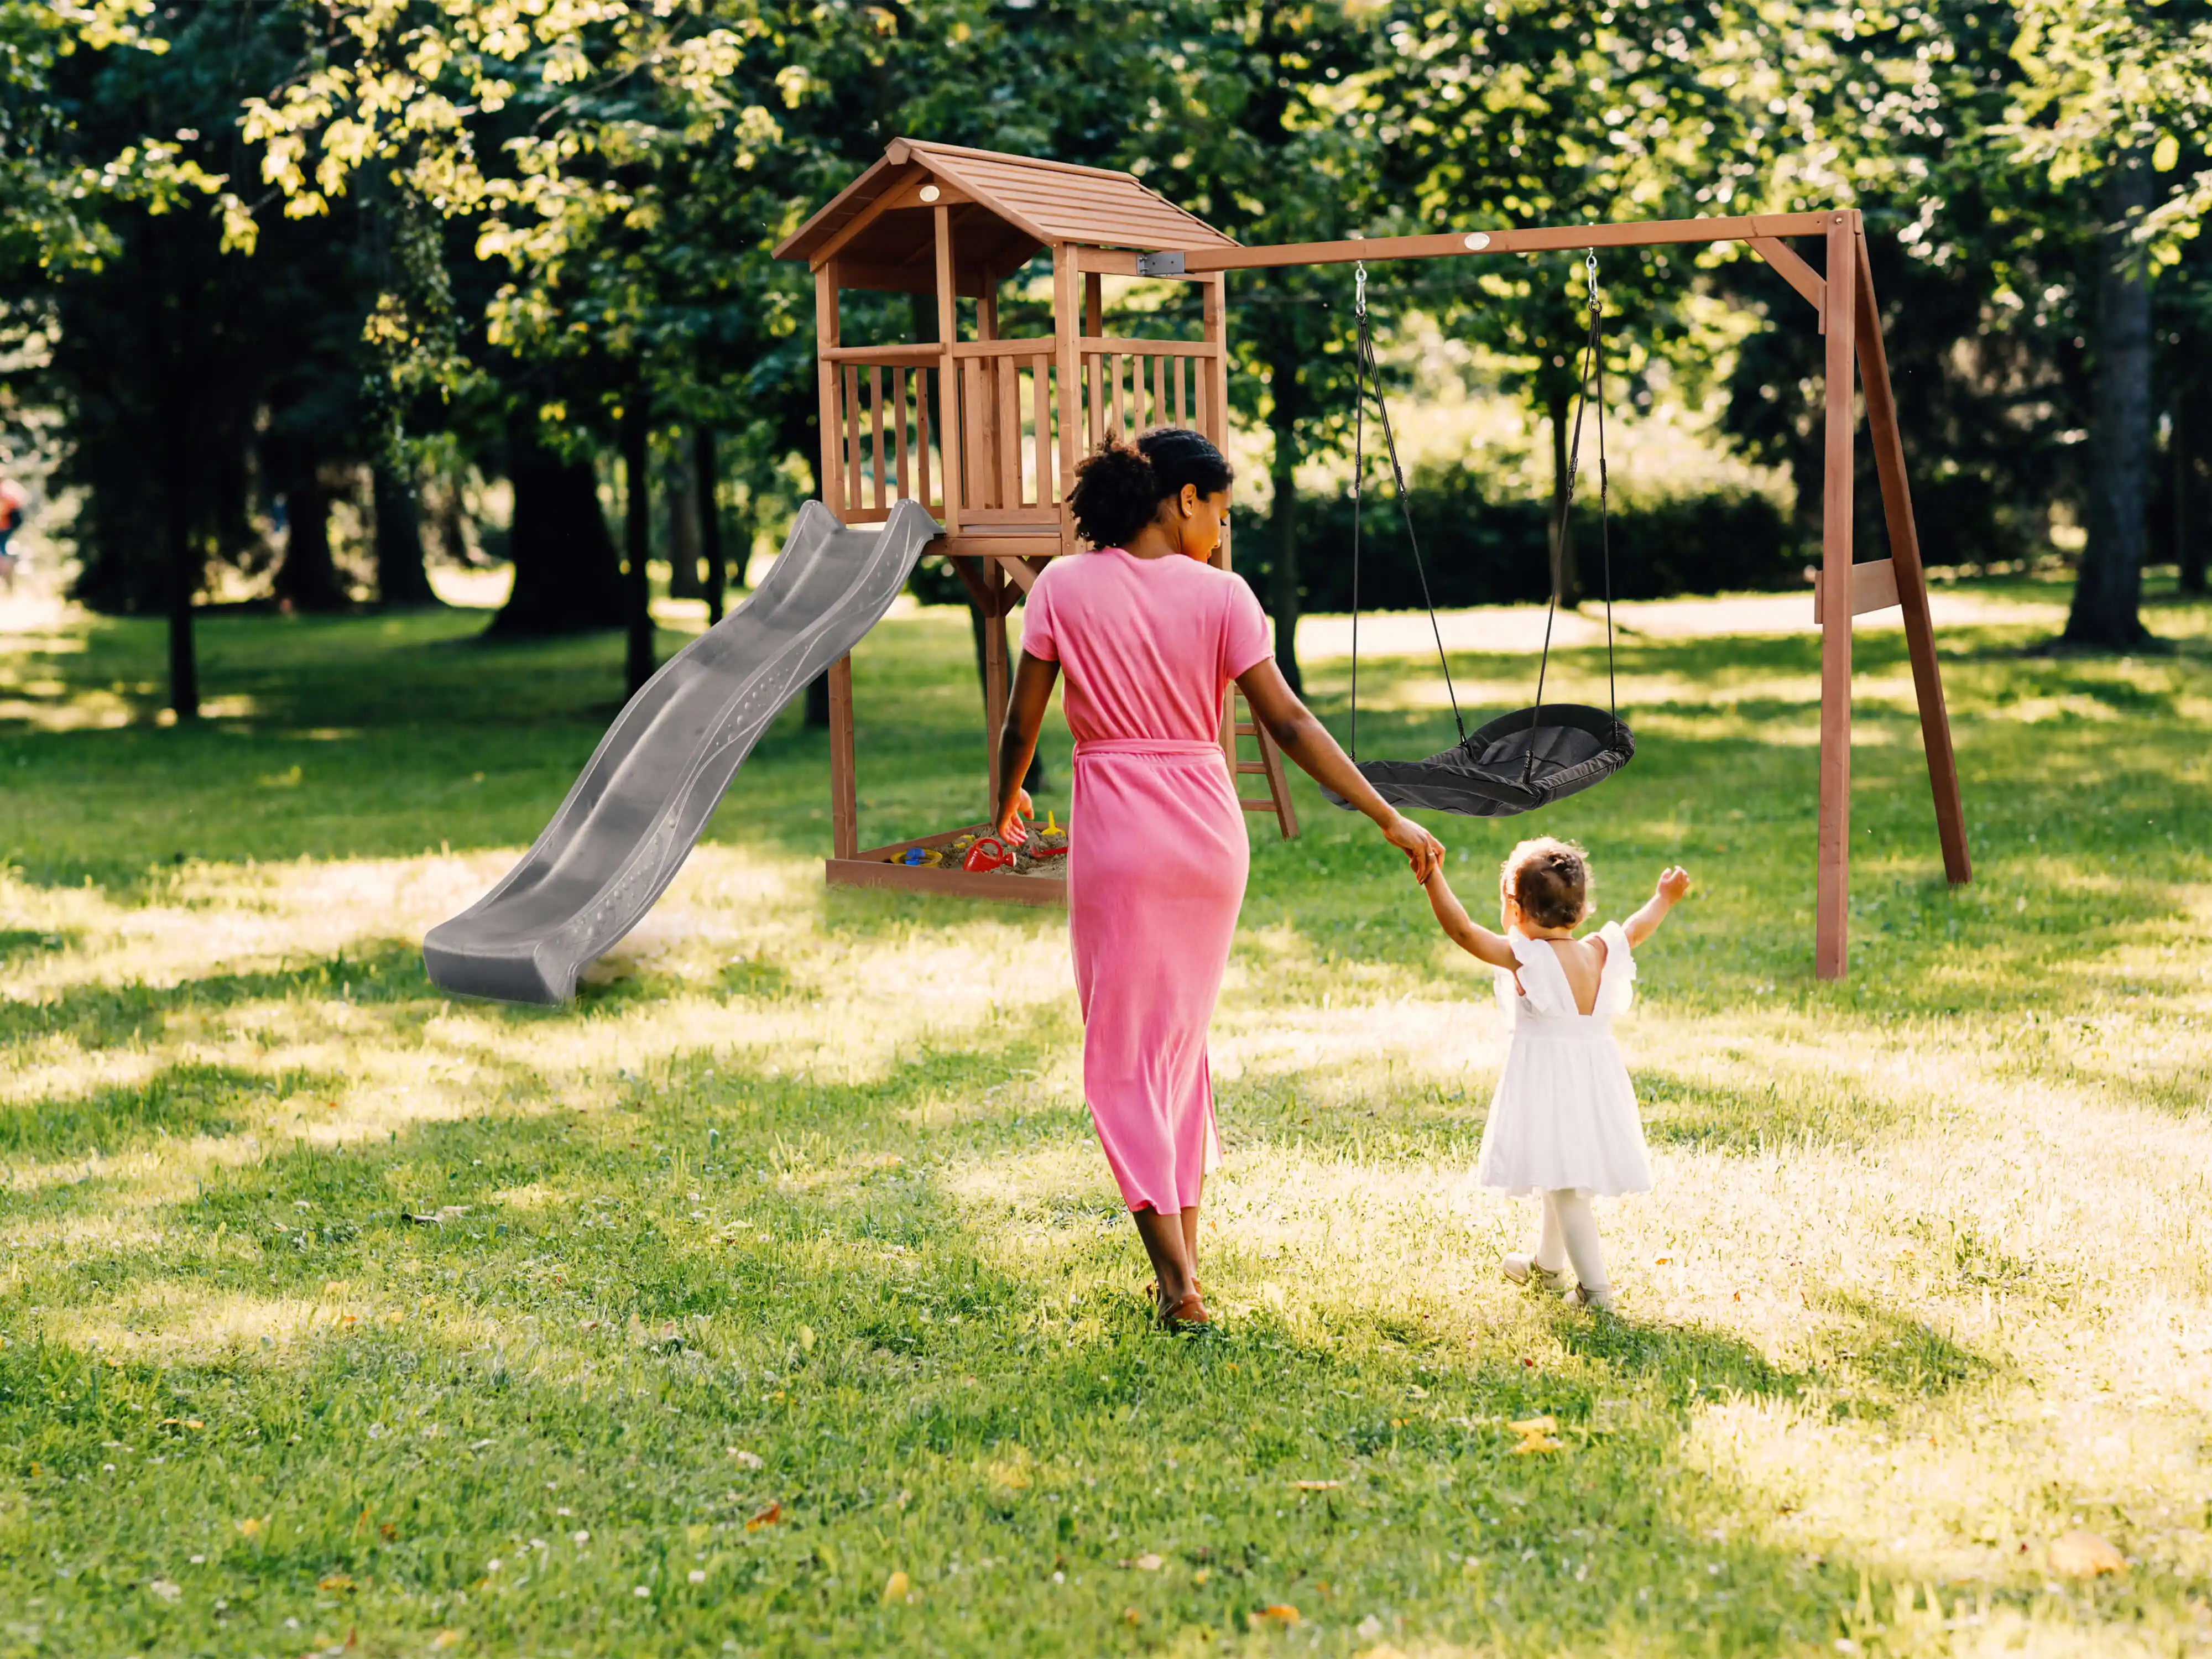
column 1981, row 268
column 1271, row 140
column 2108, row 93
column 92, row 203
column 2108, row 596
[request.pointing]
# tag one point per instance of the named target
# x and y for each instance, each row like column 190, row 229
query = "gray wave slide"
column 633, row 816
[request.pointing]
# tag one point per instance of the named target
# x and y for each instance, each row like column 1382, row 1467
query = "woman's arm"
column 1307, row 741
column 1033, row 682
column 1470, row 935
column 1674, row 881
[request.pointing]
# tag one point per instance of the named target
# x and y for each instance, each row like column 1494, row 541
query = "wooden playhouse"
column 985, row 431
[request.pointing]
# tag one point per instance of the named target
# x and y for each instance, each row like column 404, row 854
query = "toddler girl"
column 1563, row 1124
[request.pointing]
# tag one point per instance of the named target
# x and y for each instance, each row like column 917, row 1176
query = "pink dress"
column 1156, row 854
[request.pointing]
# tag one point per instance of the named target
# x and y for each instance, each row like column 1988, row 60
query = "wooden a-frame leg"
column 1832, row 904
column 1912, row 579
column 844, row 799
column 1278, row 785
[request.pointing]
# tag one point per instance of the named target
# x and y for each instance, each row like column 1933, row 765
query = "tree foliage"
column 456, row 231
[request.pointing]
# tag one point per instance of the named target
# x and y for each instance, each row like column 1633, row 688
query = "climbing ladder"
column 1237, row 724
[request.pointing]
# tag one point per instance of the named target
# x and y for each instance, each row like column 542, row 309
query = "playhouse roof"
column 1004, row 209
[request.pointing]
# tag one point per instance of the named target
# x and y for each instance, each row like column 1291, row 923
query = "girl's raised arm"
column 1470, row 935
column 1674, row 881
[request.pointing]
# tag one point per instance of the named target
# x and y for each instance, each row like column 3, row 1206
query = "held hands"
column 1673, row 883
column 1423, row 851
column 1017, row 808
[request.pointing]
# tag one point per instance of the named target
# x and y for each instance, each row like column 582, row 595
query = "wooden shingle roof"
column 1010, row 206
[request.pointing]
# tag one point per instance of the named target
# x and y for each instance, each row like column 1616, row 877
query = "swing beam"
column 1844, row 300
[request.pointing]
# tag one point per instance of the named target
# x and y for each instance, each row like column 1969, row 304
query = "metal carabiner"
column 1589, row 263
column 1360, row 287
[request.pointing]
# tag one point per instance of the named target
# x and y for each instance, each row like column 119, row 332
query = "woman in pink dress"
column 1151, row 634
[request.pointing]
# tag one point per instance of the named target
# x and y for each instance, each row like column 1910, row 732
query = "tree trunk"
column 401, row 579
column 2188, row 530
column 2108, row 594
column 1283, row 516
column 308, row 579
column 1566, row 577
column 637, row 513
column 707, row 475
column 680, row 491
column 449, row 520
column 185, row 569
column 566, row 577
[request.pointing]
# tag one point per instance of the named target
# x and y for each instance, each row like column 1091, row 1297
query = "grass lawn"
column 776, row 1299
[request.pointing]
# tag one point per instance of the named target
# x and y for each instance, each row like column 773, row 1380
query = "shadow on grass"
column 180, row 1100
column 1902, row 1358
column 96, row 1016
column 17, row 943
column 1703, row 1116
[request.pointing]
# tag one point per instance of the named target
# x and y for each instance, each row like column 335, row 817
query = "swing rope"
column 1593, row 370
column 1532, row 757
column 1367, row 372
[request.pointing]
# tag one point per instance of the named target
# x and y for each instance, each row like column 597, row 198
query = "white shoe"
column 1521, row 1268
column 1582, row 1297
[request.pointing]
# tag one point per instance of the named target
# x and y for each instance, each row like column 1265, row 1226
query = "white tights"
column 1568, row 1233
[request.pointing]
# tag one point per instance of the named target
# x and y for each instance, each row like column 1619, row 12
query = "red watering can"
column 988, row 854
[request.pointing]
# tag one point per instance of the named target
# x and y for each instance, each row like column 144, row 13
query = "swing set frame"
column 939, row 220
column 1844, row 300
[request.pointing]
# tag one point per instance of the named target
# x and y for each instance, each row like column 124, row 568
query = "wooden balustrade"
column 890, row 408
column 1131, row 384
column 884, row 398
column 1009, row 443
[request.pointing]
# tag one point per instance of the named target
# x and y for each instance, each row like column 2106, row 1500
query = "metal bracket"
column 1160, row 264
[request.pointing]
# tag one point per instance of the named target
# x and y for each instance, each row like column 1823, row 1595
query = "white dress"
column 1565, row 1113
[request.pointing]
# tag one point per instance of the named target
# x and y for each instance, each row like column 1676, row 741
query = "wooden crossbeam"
column 1873, row 587
column 1534, row 239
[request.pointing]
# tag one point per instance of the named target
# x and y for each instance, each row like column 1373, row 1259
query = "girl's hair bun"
column 1120, row 485
column 1550, row 879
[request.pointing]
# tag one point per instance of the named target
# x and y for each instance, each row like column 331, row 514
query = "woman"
column 1151, row 634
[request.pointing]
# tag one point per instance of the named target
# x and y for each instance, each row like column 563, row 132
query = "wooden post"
column 1213, row 418
column 826, row 341
column 1832, row 905
column 948, row 375
column 1066, row 403
column 986, row 444
column 844, row 798
column 994, row 674
column 1888, row 443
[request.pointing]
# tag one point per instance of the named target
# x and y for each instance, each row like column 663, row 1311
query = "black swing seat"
column 1488, row 774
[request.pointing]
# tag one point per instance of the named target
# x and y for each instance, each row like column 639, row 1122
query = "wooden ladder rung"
column 1268, row 766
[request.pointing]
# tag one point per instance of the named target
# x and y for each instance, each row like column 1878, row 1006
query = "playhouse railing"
column 1131, row 384
column 884, row 417
column 1009, row 442
column 890, row 414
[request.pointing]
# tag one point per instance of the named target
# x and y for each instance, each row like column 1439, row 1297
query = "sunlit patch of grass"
column 785, row 1258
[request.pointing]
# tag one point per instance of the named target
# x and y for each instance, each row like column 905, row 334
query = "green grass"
column 678, row 1322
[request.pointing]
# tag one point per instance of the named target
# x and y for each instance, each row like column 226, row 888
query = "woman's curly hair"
column 1550, row 879
column 1120, row 485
